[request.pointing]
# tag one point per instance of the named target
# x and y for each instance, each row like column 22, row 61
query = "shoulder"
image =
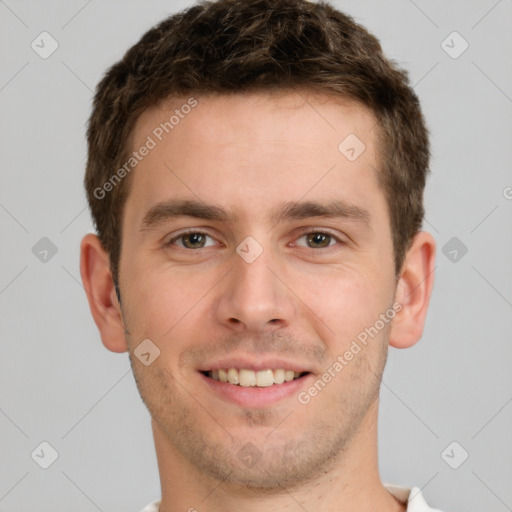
column 412, row 496
column 152, row 507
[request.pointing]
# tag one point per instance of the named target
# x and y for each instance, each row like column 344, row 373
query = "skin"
column 299, row 300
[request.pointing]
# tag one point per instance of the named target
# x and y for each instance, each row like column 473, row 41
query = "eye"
column 317, row 240
column 192, row 240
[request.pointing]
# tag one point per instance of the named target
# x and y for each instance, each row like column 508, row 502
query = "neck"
column 351, row 483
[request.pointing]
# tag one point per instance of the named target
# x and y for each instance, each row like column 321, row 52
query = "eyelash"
column 185, row 233
column 313, row 231
column 310, row 231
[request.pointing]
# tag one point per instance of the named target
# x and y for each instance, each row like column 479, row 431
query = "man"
column 255, row 174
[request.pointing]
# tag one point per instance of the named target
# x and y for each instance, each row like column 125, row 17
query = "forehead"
column 227, row 118
column 224, row 148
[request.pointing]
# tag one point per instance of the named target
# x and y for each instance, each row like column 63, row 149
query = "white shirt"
column 413, row 498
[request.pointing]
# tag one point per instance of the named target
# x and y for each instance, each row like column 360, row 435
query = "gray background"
column 59, row 384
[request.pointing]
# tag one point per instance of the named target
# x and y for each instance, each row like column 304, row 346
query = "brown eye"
column 192, row 240
column 318, row 240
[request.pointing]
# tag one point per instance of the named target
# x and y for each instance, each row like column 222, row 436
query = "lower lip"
column 255, row 396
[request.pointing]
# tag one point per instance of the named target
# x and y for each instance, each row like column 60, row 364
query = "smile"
column 249, row 378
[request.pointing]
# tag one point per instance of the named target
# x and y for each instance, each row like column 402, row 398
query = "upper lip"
column 255, row 363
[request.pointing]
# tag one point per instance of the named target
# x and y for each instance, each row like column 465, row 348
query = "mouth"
column 247, row 378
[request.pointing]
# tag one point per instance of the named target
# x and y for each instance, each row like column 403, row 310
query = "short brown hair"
column 232, row 46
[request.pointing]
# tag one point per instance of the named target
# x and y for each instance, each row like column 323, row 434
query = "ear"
column 101, row 294
column 413, row 291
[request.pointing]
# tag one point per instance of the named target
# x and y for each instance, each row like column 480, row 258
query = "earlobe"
column 101, row 295
column 413, row 291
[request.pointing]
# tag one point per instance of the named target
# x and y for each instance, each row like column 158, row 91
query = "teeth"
column 233, row 376
column 278, row 376
column 249, row 378
column 264, row 378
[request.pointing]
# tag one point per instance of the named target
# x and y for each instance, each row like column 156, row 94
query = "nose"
column 254, row 297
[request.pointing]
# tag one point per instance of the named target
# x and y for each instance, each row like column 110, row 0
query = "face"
column 252, row 244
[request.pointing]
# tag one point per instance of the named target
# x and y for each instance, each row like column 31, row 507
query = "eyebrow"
column 174, row 208
column 330, row 209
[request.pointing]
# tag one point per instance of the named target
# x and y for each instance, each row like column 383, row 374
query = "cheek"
column 346, row 301
column 162, row 302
